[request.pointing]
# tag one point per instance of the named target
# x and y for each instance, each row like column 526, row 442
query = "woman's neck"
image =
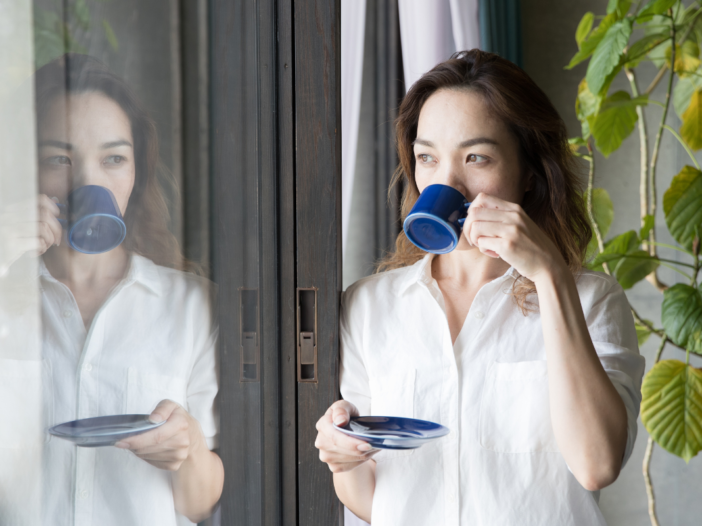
column 75, row 268
column 467, row 267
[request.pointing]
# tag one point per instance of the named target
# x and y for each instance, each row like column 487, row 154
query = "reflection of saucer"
column 103, row 430
column 391, row 432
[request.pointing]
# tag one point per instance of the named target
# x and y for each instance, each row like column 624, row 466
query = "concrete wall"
column 548, row 29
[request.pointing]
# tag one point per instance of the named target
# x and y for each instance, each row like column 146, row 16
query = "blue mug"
column 436, row 220
column 94, row 222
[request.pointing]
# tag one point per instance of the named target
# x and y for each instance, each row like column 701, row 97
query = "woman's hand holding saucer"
column 501, row 229
column 171, row 444
column 339, row 451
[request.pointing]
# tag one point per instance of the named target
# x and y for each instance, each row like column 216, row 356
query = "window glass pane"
column 106, row 304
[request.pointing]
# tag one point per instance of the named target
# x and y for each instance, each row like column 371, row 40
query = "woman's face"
column 86, row 139
column 460, row 144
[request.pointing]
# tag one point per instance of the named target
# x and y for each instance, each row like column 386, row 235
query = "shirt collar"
column 141, row 270
column 420, row 272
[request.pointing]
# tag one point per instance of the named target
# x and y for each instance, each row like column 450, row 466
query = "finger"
column 156, row 437
column 46, row 235
column 47, row 203
column 484, row 200
column 488, row 229
column 348, row 445
column 342, row 411
column 163, row 411
column 491, row 246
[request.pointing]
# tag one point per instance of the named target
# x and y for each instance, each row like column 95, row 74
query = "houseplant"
column 668, row 33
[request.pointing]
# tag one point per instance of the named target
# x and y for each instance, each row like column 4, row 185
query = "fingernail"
column 155, row 419
column 364, row 447
column 340, row 421
column 55, row 199
column 122, row 445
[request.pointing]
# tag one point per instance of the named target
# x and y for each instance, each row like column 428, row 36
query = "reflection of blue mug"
column 436, row 219
column 94, row 223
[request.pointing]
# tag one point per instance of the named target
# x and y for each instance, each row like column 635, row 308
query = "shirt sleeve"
column 203, row 383
column 611, row 326
column 355, row 387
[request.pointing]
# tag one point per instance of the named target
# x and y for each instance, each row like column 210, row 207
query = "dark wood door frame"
column 275, row 174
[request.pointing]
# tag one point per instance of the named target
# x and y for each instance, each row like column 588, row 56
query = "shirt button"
column 87, row 367
column 84, row 494
column 67, row 313
column 479, row 314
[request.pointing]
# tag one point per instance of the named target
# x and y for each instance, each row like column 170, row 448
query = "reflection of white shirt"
column 153, row 339
column 500, row 465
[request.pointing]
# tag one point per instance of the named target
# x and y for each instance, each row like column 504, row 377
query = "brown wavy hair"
column 554, row 201
column 147, row 213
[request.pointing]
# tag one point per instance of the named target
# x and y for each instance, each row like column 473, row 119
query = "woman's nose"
column 452, row 176
column 84, row 174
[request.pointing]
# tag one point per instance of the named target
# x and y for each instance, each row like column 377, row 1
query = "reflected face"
column 86, row 139
column 460, row 144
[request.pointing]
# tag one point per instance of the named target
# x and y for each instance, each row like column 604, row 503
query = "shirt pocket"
column 146, row 389
column 393, row 395
column 26, row 391
column 515, row 416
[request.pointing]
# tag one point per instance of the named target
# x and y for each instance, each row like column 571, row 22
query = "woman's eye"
column 115, row 159
column 57, row 160
column 425, row 158
column 476, row 159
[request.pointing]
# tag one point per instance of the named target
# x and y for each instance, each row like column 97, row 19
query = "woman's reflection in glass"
column 125, row 331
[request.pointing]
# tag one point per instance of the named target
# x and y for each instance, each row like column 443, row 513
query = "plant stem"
column 653, row 277
column 673, row 247
column 647, row 457
column 661, row 71
column 687, row 148
column 658, row 332
column 643, row 140
column 588, row 199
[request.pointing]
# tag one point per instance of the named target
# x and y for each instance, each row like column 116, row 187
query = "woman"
column 531, row 361
column 123, row 331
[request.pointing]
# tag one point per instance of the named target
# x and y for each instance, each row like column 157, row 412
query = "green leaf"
column 603, row 210
column 687, row 58
column 654, row 7
column 648, row 224
column 684, row 90
column 682, row 205
column 681, row 316
column 639, row 49
column 615, row 122
column 110, row 35
column 608, row 54
column 643, row 332
column 586, row 104
column 80, row 9
column 671, row 408
column 584, row 28
column 589, row 45
column 634, row 267
column 619, row 7
column 626, row 261
column 691, row 129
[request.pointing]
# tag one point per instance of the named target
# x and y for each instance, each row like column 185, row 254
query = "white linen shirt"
column 153, row 339
column 500, row 465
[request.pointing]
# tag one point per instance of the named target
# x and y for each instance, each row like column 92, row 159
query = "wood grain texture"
column 236, row 178
column 318, row 208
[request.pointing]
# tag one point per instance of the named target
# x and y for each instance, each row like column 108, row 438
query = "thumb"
column 163, row 411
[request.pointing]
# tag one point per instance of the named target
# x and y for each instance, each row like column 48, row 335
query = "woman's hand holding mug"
column 20, row 235
column 340, row 452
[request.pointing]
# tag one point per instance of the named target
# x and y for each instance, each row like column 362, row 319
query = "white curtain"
column 353, row 19
column 431, row 30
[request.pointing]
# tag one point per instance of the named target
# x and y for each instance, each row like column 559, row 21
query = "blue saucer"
column 103, row 430
column 392, row 432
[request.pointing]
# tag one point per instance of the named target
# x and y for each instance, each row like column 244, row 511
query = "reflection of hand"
column 502, row 229
column 339, row 451
column 169, row 445
column 19, row 235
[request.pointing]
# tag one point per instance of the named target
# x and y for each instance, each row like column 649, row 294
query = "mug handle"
column 463, row 220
